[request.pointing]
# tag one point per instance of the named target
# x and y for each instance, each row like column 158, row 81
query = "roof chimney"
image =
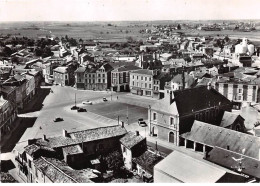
column 65, row 133
column 44, row 138
column 137, row 133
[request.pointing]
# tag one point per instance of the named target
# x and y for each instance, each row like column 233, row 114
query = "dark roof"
column 126, row 68
column 198, row 98
column 225, row 157
column 80, row 70
column 107, row 67
column 163, row 76
column 59, row 172
column 131, row 139
column 147, row 160
column 83, row 136
column 228, row 119
column 212, row 135
column 143, row 71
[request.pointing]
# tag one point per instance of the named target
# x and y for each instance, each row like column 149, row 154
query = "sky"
column 132, row 10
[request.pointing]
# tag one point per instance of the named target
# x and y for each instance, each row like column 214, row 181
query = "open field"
column 102, row 30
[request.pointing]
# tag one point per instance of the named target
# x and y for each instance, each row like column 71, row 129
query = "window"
column 124, row 149
column 145, row 78
column 99, row 75
column 154, row 116
column 141, row 77
column 99, row 80
column 171, row 120
column 150, row 86
column 145, row 85
column 137, row 84
column 133, row 77
column 136, row 77
column 141, row 84
column 150, row 79
column 240, row 90
column 133, row 83
column 93, row 81
column 30, row 163
column 103, row 75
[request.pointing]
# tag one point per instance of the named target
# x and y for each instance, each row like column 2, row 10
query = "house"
column 178, row 167
column 233, row 121
column 160, row 79
column 120, row 77
column 174, row 114
column 80, row 77
column 30, row 87
column 144, row 164
column 8, row 114
column 103, row 75
column 178, row 80
column 237, row 90
column 64, row 75
column 90, row 78
column 141, row 82
column 132, row 145
column 149, row 61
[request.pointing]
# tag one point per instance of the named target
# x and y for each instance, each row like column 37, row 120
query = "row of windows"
column 93, row 81
column 142, row 78
column 142, row 85
column 172, row 121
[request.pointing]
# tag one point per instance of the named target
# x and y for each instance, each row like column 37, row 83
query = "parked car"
column 142, row 124
column 139, row 120
column 104, row 99
column 82, row 110
column 58, row 119
column 87, row 102
column 74, row 108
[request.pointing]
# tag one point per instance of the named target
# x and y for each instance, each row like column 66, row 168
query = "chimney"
column 137, row 133
column 122, row 124
column 31, row 141
column 65, row 133
column 44, row 138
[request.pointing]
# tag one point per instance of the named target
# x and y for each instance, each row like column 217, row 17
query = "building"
column 178, row 80
column 141, row 82
column 80, row 78
column 120, row 77
column 132, row 145
column 174, row 114
column 8, row 114
column 178, row 167
column 233, row 121
column 103, row 75
column 237, row 90
column 159, row 81
column 63, row 76
column 90, row 78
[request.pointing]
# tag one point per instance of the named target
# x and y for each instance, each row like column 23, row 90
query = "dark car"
column 58, row 119
column 74, row 108
column 82, row 110
column 142, row 124
column 139, row 120
column 104, row 99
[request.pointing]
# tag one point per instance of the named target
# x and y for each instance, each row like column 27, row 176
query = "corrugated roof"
column 228, row 119
column 189, row 170
column 212, row 135
column 225, row 157
column 131, row 139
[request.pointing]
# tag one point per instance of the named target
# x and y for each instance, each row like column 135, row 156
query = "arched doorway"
column 171, row 137
column 155, row 131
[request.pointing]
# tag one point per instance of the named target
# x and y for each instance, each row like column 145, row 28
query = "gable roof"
column 225, row 157
column 61, row 69
column 185, row 169
column 143, row 71
column 212, row 135
column 198, row 98
column 131, row 139
column 80, row 70
column 83, row 136
column 228, row 119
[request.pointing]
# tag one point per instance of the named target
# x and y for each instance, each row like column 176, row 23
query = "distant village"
column 200, row 85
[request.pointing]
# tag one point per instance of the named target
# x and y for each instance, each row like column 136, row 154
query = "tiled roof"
column 198, row 98
column 143, row 71
column 59, row 172
column 131, row 139
column 188, row 169
column 211, row 135
column 83, row 136
column 188, row 79
column 31, row 149
column 225, row 157
column 61, row 69
column 126, row 68
column 228, row 119
column 73, row 149
column 80, row 70
column 148, row 160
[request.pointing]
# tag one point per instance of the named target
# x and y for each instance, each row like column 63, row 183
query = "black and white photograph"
column 130, row 91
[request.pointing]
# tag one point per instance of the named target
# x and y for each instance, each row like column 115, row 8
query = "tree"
column 114, row 161
column 179, row 27
column 7, row 51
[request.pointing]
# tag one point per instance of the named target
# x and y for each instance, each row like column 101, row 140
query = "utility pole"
column 75, row 100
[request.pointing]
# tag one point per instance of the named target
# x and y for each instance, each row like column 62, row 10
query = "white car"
column 87, row 102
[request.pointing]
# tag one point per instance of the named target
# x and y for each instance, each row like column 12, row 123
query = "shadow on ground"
column 36, row 103
column 15, row 136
